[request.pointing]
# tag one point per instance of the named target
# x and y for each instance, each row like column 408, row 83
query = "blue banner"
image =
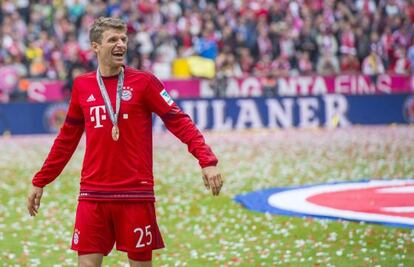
column 31, row 118
column 241, row 113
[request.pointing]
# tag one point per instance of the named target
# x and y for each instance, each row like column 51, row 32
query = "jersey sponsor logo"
column 166, row 97
column 91, row 98
column 389, row 202
column 98, row 114
column 126, row 93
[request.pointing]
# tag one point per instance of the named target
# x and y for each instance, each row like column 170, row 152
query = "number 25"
column 141, row 235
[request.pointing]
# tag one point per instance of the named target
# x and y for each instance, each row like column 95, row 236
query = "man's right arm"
column 64, row 145
column 62, row 150
column 60, row 153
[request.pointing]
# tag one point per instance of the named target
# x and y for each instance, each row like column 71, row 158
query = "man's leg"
column 140, row 259
column 133, row 263
column 90, row 260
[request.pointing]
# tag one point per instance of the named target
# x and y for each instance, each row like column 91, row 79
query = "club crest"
column 126, row 93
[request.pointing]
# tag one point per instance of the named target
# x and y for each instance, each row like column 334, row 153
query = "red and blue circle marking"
column 389, row 202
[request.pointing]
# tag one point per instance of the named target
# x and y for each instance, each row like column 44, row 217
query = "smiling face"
column 109, row 41
column 112, row 49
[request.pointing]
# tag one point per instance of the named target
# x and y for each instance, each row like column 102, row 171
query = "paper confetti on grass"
column 200, row 230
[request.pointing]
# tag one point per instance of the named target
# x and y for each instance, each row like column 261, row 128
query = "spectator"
column 305, row 65
column 411, row 56
column 373, row 65
column 363, row 44
column 281, row 66
column 350, row 64
column 401, row 64
column 306, row 43
column 331, row 33
column 328, row 61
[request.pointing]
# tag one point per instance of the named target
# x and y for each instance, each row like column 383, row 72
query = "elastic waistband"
column 122, row 195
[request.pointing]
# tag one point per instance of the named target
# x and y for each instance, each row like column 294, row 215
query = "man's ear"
column 95, row 47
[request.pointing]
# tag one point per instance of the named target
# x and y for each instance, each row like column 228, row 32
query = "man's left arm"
column 181, row 125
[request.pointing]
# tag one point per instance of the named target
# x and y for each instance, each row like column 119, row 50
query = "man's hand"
column 33, row 200
column 212, row 179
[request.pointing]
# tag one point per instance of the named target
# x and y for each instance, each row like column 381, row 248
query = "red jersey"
column 119, row 170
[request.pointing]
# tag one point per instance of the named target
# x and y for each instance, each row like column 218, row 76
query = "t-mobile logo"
column 96, row 115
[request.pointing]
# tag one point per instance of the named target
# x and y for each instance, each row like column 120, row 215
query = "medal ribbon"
column 113, row 116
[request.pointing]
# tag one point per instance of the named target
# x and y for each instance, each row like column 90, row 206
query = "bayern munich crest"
column 126, row 93
column 389, row 202
column 76, row 236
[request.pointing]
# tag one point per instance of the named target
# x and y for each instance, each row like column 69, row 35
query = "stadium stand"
column 239, row 38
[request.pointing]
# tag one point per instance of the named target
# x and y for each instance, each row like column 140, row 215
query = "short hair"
column 103, row 24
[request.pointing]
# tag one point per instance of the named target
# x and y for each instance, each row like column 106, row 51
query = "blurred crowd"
column 264, row 38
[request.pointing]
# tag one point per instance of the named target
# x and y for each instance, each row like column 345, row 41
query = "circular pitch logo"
column 379, row 201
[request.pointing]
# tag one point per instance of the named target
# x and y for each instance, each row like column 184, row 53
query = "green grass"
column 201, row 230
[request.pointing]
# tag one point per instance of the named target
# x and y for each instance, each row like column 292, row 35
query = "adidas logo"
column 91, row 98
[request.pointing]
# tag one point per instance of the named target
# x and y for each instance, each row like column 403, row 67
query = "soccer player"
column 113, row 105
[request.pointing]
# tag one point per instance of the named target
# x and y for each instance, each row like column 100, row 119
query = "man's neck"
column 106, row 71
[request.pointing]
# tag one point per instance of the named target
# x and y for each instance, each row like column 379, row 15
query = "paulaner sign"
column 313, row 85
column 302, row 112
column 332, row 110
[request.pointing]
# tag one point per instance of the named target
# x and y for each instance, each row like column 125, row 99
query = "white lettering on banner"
column 222, row 114
column 201, row 112
column 362, row 85
column 307, row 112
column 304, row 84
column 336, row 107
column 188, row 108
column 278, row 114
column 205, row 89
column 319, row 86
column 286, row 88
column 384, row 83
column 96, row 116
column 341, row 84
column 251, row 87
column 248, row 115
column 36, row 91
column 232, row 89
column 201, row 108
column 247, row 87
column 235, row 88
column 221, row 123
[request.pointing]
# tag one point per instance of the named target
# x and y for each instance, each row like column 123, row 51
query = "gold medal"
column 115, row 132
column 112, row 114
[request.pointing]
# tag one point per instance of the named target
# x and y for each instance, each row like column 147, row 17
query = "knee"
column 89, row 261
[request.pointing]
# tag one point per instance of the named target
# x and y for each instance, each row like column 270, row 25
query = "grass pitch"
column 201, row 230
